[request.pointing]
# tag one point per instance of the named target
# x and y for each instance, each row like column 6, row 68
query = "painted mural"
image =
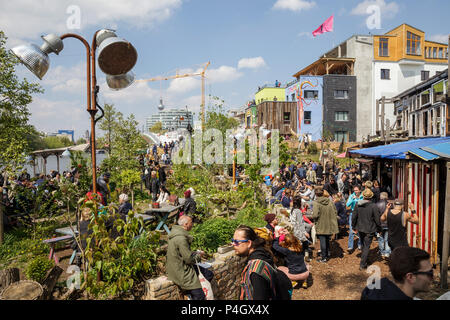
column 298, row 89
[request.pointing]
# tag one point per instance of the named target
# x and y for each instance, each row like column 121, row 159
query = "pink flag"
column 327, row 26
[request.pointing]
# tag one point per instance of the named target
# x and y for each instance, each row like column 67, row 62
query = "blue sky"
column 248, row 42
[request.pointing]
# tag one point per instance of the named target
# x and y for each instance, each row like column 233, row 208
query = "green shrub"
column 38, row 268
column 252, row 217
column 312, row 148
column 213, row 233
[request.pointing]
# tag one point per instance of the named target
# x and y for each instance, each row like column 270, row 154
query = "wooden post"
column 377, row 122
column 446, row 236
column 388, row 130
column 7, row 277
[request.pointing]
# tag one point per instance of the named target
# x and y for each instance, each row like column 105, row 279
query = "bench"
column 52, row 242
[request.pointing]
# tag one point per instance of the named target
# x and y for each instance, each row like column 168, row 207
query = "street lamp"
column 116, row 57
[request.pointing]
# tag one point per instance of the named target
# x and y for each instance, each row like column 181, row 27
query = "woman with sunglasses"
column 259, row 279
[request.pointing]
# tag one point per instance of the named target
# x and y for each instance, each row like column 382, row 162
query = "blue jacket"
column 301, row 173
column 352, row 202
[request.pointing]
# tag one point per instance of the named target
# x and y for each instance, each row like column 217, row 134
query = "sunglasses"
column 235, row 242
column 428, row 273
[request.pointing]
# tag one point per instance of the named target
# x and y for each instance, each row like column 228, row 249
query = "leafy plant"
column 38, row 268
column 312, row 148
column 213, row 233
column 119, row 261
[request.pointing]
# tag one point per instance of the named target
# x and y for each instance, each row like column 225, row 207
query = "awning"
column 342, row 155
column 362, row 160
column 441, row 149
column 432, row 152
column 424, row 155
column 398, row 150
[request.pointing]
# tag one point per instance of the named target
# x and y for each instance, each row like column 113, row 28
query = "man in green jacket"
column 180, row 262
column 325, row 216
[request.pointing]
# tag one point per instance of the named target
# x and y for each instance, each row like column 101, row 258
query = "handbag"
column 206, row 285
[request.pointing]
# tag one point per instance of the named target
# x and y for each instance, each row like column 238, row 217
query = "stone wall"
column 227, row 269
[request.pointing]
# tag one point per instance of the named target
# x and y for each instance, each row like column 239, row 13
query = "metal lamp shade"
column 116, row 56
column 33, row 58
column 120, row 81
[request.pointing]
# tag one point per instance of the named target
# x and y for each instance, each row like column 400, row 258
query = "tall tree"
column 108, row 122
column 15, row 95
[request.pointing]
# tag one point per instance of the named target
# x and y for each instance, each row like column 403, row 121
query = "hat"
column 123, row 197
column 368, row 184
column 187, row 193
column 107, row 174
column 269, row 217
column 367, row 194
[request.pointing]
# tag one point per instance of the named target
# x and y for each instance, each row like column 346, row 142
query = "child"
column 291, row 248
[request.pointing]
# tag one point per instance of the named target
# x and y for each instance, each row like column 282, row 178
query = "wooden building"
column 278, row 115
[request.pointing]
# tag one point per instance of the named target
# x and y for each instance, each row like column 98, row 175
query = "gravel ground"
column 341, row 279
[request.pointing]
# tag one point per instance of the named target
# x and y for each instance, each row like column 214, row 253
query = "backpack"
column 282, row 284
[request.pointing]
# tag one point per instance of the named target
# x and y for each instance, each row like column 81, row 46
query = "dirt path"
column 341, row 279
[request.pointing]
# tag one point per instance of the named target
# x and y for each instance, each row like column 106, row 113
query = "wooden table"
column 163, row 213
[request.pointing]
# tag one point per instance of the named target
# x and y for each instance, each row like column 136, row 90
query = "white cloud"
column 24, row 19
column 442, row 38
column 223, row 74
column 66, row 79
column 52, row 115
column 138, row 92
column 388, row 10
column 306, row 34
column 293, row 5
column 251, row 63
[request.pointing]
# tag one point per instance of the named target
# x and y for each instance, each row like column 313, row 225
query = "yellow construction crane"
column 202, row 74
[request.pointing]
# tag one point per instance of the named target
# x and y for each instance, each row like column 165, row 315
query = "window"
column 341, row 94
column 287, row 118
column 293, row 96
column 424, row 75
column 383, row 49
column 413, row 44
column 441, row 53
column 386, row 74
column 341, row 135
column 311, row 94
column 341, row 116
column 434, row 53
column 287, row 98
column 307, row 117
column 438, row 92
column 425, row 96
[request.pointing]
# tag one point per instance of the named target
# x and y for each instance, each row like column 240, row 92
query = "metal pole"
column 93, row 110
column 446, row 236
column 88, row 91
